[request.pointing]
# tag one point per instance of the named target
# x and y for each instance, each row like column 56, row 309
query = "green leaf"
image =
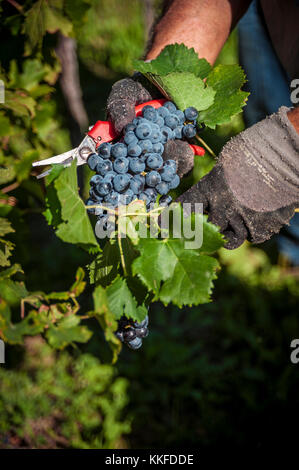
column 33, row 72
column 23, row 167
column 76, row 289
column 7, row 174
column 106, row 319
column 79, row 285
column 76, row 10
column 19, row 103
column 14, row 332
column 5, row 227
column 174, row 273
column 9, row 272
column 103, row 269
column 175, row 58
column 4, row 126
column 192, row 279
column 67, row 209
column 185, row 89
column 45, row 16
column 6, row 246
column 13, row 292
column 67, row 331
column 34, row 25
column 120, row 300
column 55, row 21
column 212, row 239
column 226, row 80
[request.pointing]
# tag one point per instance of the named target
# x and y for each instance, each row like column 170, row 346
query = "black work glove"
column 254, row 188
column 124, row 96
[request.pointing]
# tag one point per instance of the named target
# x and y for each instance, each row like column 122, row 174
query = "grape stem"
column 127, row 214
column 205, row 145
column 121, row 251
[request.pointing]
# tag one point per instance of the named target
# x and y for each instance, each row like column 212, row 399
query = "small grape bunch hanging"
column 131, row 332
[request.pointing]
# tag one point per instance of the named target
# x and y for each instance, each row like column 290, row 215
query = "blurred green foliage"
column 61, row 401
column 111, row 37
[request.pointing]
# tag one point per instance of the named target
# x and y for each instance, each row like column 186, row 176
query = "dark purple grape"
column 129, row 334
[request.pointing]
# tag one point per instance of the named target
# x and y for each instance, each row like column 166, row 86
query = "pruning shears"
column 102, row 131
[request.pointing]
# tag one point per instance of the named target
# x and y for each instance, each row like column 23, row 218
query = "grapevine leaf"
column 5, row 227
column 67, row 331
column 33, row 72
column 34, row 23
column 12, row 292
column 173, row 273
column 79, row 285
column 185, row 89
column 23, row 167
column 6, row 246
column 7, row 174
column 212, row 239
column 76, row 10
column 4, row 125
column 192, row 280
column 103, row 269
column 226, row 80
column 11, row 271
column 173, row 270
column 106, row 320
column 76, row 289
column 20, row 103
column 121, row 301
column 65, row 203
column 44, row 17
column 55, row 21
column 175, row 58
column 14, row 332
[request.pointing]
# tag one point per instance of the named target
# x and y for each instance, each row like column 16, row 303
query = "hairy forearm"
column 293, row 117
column 202, row 24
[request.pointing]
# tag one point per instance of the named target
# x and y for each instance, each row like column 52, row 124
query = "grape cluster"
column 133, row 168
column 131, row 332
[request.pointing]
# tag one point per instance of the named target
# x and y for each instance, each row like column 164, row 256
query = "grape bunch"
column 133, row 167
column 132, row 333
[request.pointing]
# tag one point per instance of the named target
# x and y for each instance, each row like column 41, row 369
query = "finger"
column 125, row 95
column 235, row 233
column 191, row 199
column 179, row 151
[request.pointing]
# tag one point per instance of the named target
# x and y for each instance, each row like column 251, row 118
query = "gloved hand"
column 254, row 188
column 124, row 96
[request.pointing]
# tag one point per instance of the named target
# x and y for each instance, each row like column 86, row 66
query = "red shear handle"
column 154, row 103
column 197, row 150
column 103, row 131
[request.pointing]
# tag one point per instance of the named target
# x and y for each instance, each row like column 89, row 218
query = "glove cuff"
column 261, row 164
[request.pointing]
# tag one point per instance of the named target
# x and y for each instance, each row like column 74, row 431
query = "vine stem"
column 205, row 145
column 11, row 187
column 121, row 251
column 16, row 5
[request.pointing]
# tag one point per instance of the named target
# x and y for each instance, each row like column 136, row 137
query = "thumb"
column 183, row 155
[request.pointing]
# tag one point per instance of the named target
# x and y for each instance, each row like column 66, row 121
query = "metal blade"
column 83, row 151
column 61, row 158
